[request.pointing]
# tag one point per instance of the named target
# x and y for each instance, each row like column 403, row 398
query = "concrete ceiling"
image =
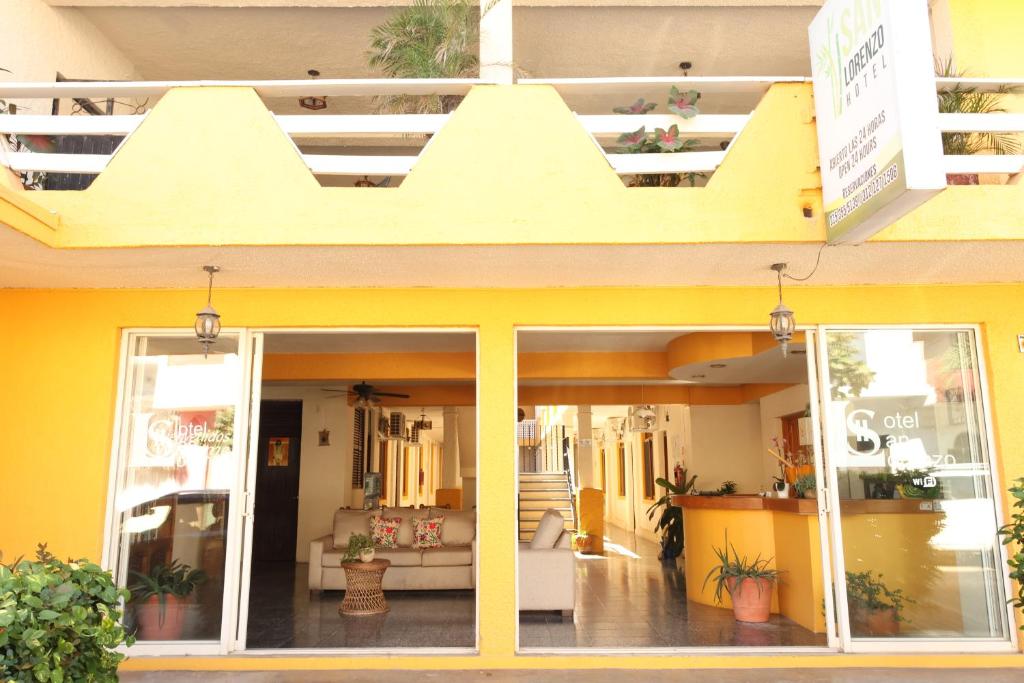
column 767, row 367
column 27, row 263
column 335, row 341
column 595, row 341
column 193, row 43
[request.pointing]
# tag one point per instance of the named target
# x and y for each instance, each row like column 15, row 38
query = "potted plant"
column 879, row 485
column 584, row 542
column 360, row 547
column 875, row 610
column 59, row 621
column 749, row 583
column 161, row 597
column 641, row 141
column 428, row 39
column 806, row 486
column 969, row 100
column 670, row 520
column 1013, row 532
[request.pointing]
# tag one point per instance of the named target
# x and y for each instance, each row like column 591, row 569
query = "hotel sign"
column 877, row 118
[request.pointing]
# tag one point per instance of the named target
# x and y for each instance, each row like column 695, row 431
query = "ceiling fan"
column 366, row 394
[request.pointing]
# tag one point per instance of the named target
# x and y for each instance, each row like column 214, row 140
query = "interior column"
column 585, row 448
column 451, row 466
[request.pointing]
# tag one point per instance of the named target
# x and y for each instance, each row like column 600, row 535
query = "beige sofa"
column 547, row 568
column 451, row 566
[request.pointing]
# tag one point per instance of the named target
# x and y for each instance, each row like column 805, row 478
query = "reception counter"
column 781, row 530
column 889, row 537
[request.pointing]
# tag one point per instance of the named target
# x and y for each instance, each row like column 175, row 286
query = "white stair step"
column 541, row 486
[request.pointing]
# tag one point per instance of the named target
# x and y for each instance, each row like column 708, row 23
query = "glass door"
column 174, row 505
column 248, row 496
column 912, row 490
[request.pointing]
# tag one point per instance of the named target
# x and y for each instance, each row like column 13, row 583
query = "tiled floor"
column 629, row 599
column 283, row 615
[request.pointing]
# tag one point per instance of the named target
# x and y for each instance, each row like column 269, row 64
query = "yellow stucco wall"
column 59, row 376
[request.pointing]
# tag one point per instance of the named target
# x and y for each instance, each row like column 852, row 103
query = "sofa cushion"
column 348, row 522
column 427, row 532
column 384, row 531
column 448, row 556
column 400, row 557
column 459, row 526
column 408, row 514
column 549, row 528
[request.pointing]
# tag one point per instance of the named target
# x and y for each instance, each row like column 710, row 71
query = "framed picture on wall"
column 277, row 451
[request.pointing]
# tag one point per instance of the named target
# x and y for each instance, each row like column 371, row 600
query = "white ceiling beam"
column 36, row 124
column 720, row 125
column 678, row 162
column 984, row 163
column 57, row 163
column 290, row 88
column 981, row 123
column 704, row 84
column 312, row 125
column 337, row 164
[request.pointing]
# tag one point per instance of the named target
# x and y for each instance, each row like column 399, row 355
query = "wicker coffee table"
column 363, row 594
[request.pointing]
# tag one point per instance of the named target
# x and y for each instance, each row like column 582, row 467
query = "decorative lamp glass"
column 643, row 418
column 782, row 324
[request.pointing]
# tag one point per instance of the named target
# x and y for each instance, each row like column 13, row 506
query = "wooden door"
column 277, row 481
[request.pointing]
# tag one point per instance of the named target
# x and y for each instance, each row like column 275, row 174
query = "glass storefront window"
column 178, row 463
column 908, row 443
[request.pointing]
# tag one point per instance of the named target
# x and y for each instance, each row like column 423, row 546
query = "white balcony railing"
column 714, row 129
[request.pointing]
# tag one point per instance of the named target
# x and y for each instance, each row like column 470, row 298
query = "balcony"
column 513, row 181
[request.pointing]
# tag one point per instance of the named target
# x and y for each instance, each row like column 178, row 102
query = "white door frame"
column 911, row 645
column 240, row 617
column 823, row 484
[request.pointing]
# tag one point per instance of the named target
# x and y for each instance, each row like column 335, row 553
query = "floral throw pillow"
column 427, row 532
column 384, row 531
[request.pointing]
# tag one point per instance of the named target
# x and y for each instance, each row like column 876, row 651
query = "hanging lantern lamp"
column 781, row 321
column 208, row 320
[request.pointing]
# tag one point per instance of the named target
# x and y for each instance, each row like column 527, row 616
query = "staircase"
column 539, row 491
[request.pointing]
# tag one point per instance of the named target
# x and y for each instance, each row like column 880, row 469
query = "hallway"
column 629, row 599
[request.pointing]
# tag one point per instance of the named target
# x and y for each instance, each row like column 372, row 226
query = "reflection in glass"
column 179, row 463
column 913, row 470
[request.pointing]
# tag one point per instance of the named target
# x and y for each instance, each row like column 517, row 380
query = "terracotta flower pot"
column 585, row 544
column 161, row 623
column 873, row 622
column 751, row 599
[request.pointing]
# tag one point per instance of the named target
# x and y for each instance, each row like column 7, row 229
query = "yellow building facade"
column 511, row 191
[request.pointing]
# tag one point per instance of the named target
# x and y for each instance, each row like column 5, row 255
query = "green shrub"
column 59, row 621
column 1013, row 538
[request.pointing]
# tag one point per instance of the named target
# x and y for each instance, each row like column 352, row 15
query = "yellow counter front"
column 891, row 538
column 783, row 531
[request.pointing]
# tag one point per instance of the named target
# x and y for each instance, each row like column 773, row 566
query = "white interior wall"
column 37, row 41
column 726, row 446
column 772, row 408
column 325, row 472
